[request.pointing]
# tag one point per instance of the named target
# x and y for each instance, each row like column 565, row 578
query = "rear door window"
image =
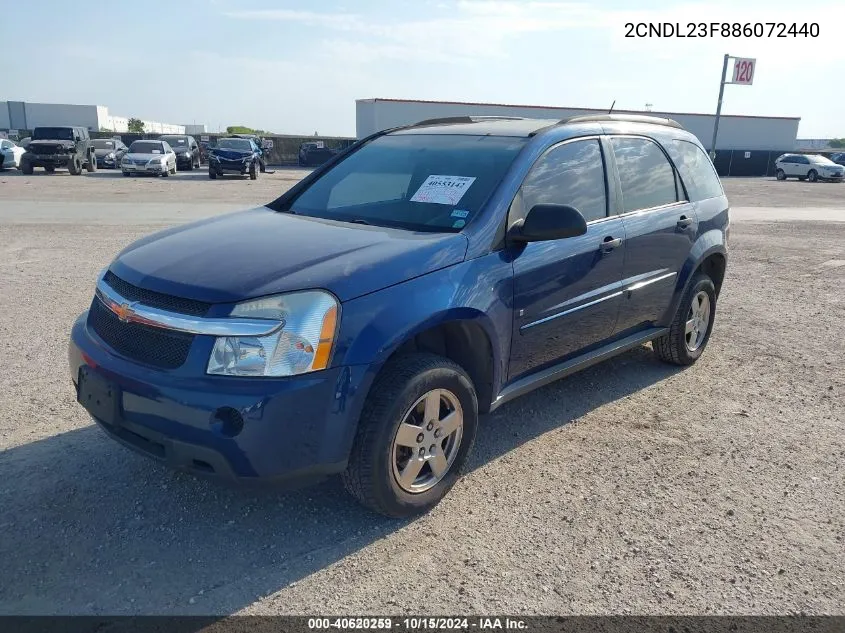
column 697, row 171
column 646, row 176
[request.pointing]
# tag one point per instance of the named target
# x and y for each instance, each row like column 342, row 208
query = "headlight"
column 110, row 155
column 303, row 343
column 187, row 154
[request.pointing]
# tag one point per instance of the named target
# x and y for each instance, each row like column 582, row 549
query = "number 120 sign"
column 744, row 70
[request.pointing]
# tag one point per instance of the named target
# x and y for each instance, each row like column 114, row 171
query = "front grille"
column 139, row 161
column 45, row 149
column 155, row 299
column 165, row 349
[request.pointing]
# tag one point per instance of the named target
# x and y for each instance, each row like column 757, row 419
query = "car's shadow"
column 89, row 527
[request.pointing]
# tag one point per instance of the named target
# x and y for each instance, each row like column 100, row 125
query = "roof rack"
column 630, row 118
column 465, row 119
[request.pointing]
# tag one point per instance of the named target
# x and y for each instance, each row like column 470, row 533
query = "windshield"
column 51, row 133
column 146, row 147
column 175, row 141
column 820, row 160
column 102, row 144
column 235, row 143
column 420, row 182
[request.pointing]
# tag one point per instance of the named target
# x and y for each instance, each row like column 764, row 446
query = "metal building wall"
column 735, row 132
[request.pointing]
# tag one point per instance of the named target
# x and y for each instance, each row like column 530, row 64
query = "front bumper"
column 249, row 430
column 107, row 163
column 142, row 169
column 238, row 166
column 48, row 160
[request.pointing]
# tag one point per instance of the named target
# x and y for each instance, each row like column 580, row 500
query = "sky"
column 296, row 67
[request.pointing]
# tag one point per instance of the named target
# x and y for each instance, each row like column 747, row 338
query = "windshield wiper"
column 359, row 221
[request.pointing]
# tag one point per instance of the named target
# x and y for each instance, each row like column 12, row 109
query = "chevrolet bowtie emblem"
column 124, row 311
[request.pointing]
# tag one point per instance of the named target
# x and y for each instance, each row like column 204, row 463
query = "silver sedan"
column 149, row 157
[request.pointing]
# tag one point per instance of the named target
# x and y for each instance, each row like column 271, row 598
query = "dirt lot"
column 633, row 487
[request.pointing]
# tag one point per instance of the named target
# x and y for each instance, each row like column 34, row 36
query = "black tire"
column 74, row 166
column 165, row 173
column 253, row 175
column 91, row 165
column 212, row 173
column 50, row 169
column 812, row 175
column 673, row 347
column 190, row 166
column 26, row 167
column 402, row 382
column 781, row 175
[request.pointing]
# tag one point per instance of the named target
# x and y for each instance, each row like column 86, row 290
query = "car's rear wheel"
column 781, row 175
column 415, row 433
column 252, row 171
column 690, row 330
column 26, row 167
column 812, row 175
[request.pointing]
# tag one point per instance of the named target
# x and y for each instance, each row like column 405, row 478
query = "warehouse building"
column 22, row 115
column 746, row 146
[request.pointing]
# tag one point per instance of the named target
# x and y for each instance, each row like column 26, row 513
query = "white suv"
column 808, row 167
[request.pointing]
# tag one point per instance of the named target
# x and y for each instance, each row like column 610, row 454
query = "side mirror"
column 549, row 222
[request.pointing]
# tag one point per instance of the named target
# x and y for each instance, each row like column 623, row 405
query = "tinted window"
column 422, row 182
column 234, row 143
column 801, row 160
column 50, row 133
column 696, row 169
column 572, row 174
column 146, row 147
column 646, row 176
column 102, row 144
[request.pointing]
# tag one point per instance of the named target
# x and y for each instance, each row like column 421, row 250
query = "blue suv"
column 360, row 323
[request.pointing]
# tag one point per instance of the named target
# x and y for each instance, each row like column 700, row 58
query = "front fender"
column 481, row 291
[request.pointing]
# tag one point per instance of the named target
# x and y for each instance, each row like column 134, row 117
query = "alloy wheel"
column 427, row 441
column 698, row 321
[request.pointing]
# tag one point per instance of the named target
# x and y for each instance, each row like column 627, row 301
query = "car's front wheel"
column 253, row 171
column 812, row 175
column 781, row 175
column 690, row 329
column 416, row 430
column 26, row 167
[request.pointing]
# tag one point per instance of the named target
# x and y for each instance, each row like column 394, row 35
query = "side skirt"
column 561, row 370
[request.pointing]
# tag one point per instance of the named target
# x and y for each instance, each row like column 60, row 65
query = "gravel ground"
column 633, row 487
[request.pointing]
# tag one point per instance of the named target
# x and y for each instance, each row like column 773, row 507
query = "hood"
column 140, row 156
column 258, row 252
column 230, row 154
column 49, row 143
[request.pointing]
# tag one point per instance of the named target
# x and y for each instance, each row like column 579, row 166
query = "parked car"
column 149, row 157
column 238, row 155
column 186, row 148
column 361, row 322
column 57, row 147
column 313, row 154
column 24, row 142
column 810, row 167
column 109, row 152
column 259, row 143
column 838, row 158
column 10, row 154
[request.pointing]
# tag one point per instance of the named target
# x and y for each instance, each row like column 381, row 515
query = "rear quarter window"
column 696, row 169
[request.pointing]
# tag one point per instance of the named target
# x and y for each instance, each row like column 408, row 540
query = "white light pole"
column 744, row 68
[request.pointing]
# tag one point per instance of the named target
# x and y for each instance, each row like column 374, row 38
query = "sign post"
column 743, row 74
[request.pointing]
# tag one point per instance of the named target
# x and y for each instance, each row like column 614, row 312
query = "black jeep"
column 53, row 147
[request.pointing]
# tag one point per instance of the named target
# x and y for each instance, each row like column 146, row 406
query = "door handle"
column 610, row 243
column 684, row 222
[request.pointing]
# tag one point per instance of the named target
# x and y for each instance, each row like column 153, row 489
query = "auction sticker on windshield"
column 443, row 189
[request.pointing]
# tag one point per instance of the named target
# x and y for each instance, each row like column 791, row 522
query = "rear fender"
column 708, row 243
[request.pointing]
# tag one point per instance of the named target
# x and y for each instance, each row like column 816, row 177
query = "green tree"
column 239, row 129
column 837, row 142
column 136, row 126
